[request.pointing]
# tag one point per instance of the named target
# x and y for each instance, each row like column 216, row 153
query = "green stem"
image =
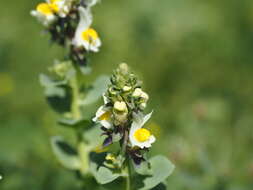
column 82, row 147
column 127, row 167
column 128, row 178
column 84, row 150
column 75, row 110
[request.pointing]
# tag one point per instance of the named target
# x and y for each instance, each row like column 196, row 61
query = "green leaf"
column 73, row 123
column 93, row 136
column 102, row 174
column 161, row 169
column 98, row 88
column 59, row 98
column 143, row 169
column 160, row 186
column 85, row 69
column 46, row 81
column 51, row 91
column 57, row 93
column 65, row 154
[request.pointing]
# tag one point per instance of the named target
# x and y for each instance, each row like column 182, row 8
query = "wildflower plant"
column 112, row 145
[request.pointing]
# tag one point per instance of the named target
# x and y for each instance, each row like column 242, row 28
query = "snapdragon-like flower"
column 138, row 135
column 44, row 13
column 48, row 11
column 61, row 7
column 104, row 115
column 85, row 36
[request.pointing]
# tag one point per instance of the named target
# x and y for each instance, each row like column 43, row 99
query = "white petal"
column 101, row 110
column 106, row 124
column 106, row 100
column 152, row 139
column 85, row 17
column 135, row 126
column 146, row 118
column 140, row 118
column 84, row 24
column 91, row 2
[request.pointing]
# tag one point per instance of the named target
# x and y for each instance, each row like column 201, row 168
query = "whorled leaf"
column 161, row 168
column 65, row 154
column 93, row 136
column 143, row 169
column 47, row 81
column 102, row 174
column 57, row 93
column 98, row 88
column 73, row 123
column 59, row 98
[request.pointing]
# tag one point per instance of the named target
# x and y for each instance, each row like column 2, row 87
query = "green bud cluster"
column 125, row 93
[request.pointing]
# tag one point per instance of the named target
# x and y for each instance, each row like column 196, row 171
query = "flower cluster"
column 69, row 22
column 122, row 118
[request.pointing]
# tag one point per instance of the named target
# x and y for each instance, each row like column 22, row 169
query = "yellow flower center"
column 44, row 8
column 106, row 116
column 142, row 135
column 55, row 1
column 54, row 7
column 90, row 35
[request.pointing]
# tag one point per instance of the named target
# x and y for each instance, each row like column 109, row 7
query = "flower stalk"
column 120, row 121
column 75, row 109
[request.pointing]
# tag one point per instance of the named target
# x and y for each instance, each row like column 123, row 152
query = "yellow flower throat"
column 90, row 35
column 142, row 134
column 48, row 8
column 106, row 116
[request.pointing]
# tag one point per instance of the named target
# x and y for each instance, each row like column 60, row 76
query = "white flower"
column 44, row 13
column 85, row 36
column 61, row 7
column 104, row 115
column 139, row 136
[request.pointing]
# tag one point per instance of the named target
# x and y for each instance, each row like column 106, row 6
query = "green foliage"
column 161, row 168
column 102, row 174
column 98, row 87
column 194, row 55
column 66, row 155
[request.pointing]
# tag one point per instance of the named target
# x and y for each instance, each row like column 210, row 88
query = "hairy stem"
column 128, row 178
column 75, row 110
column 127, row 167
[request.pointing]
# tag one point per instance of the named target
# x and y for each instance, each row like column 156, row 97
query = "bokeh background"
column 196, row 60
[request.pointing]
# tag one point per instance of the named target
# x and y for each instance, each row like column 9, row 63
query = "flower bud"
column 61, row 68
column 143, row 105
column 127, row 88
column 112, row 91
column 120, row 106
column 120, row 118
column 123, row 68
column 137, row 93
column 145, row 96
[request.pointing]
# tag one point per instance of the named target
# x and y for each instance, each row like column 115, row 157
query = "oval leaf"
column 65, row 154
column 161, row 169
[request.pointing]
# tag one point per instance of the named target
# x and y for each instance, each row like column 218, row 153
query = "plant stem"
column 75, row 110
column 82, row 147
column 128, row 178
column 127, row 167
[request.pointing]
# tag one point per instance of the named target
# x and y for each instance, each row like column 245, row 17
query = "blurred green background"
column 196, row 60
